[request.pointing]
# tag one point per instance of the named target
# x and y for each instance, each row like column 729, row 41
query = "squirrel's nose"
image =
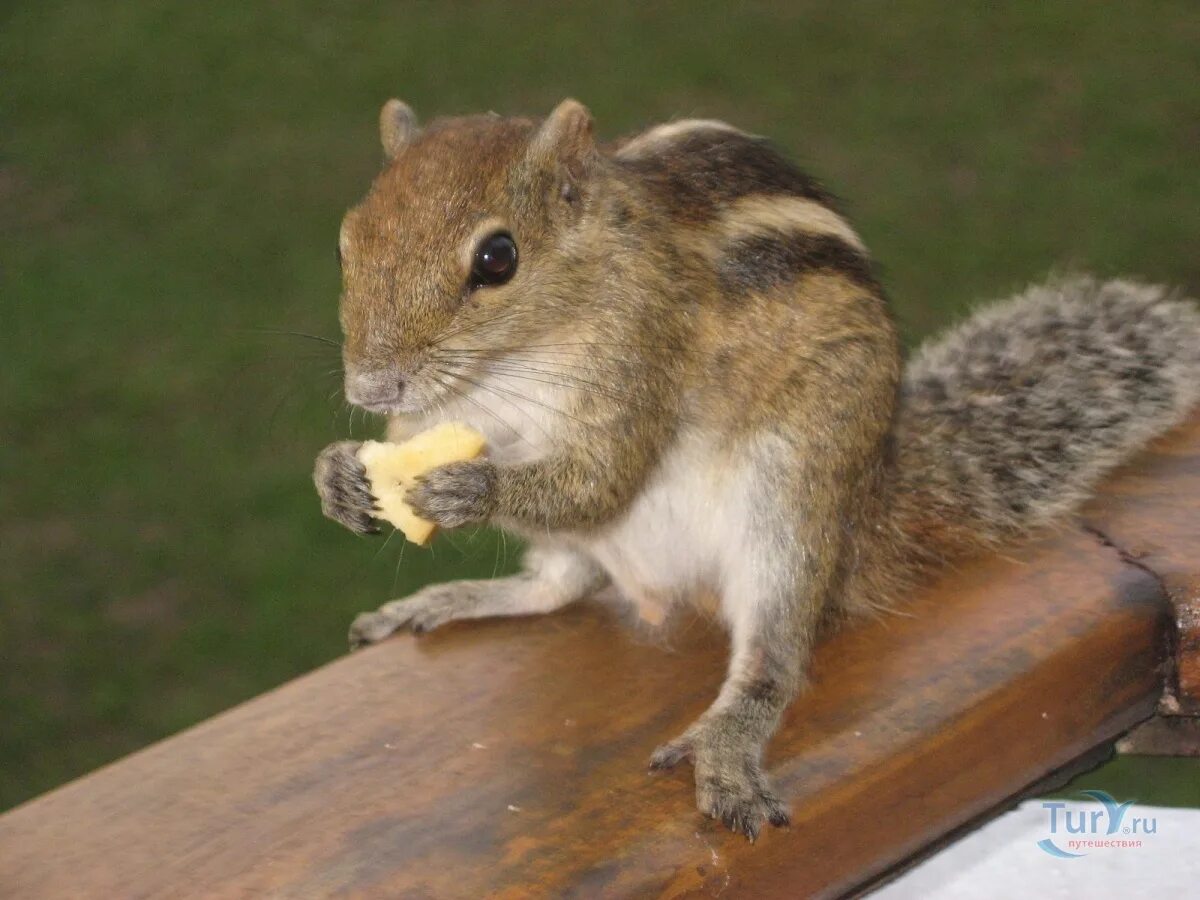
column 377, row 390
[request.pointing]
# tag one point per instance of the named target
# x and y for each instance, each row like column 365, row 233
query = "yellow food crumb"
column 392, row 469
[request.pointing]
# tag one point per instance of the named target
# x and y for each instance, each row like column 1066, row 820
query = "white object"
column 1003, row 859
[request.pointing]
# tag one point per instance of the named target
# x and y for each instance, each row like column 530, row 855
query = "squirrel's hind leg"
column 726, row 743
column 775, row 583
column 553, row 577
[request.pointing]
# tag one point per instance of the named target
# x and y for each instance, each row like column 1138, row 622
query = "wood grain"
column 1144, row 514
column 508, row 759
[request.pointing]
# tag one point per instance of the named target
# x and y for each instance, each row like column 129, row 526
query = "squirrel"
column 693, row 390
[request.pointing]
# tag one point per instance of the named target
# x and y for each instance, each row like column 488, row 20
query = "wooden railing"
column 508, row 758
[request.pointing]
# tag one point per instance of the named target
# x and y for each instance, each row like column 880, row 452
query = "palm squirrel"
column 692, row 390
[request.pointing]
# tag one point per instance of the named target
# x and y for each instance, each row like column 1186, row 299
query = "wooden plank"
column 1146, row 514
column 1164, row 735
column 508, row 759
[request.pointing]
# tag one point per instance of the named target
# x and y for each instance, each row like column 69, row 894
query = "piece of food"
column 393, row 468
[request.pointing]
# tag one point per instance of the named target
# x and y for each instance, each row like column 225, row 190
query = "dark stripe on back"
column 765, row 261
column 695, row 176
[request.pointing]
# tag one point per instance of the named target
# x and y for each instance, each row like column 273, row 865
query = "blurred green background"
column 172, row 178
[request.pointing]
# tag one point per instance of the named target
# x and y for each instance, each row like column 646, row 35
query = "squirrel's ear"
column 397, row 126
column 566, row 136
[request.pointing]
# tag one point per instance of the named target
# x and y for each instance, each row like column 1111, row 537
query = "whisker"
column 591, row 366
column 468, row 327
column 399, row 560
column 517, row 367
column 567, row 380
column 619, row 364
column 343, row 407
column 587, row 346
column 555, row 367
column 527, row 399
column 387, row 540
column 465, row 396
column 300, row 334
column 462, row 395
column 287, row 395
column 586, row 349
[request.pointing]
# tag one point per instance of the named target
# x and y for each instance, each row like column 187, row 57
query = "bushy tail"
column 1008, row 420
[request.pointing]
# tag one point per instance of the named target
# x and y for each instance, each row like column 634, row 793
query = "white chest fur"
column 671, row 545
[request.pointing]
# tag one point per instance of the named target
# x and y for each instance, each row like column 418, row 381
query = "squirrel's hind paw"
column 730, row 784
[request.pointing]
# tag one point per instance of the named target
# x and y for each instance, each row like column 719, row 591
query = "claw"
column 341, row 483
column 669, row 755
column 369, row 628
column 730, row 785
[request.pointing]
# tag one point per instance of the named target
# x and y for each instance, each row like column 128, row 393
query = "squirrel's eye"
column 495, row 260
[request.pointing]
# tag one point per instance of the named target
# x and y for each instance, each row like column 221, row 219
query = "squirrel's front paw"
column 430, row 607
column 730, row 783
column 455, row 494
column 342, row 485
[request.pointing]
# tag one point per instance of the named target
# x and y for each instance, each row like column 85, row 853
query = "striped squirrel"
column 693, row 391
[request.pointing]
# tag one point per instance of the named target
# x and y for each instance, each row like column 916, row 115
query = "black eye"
column 495, row 260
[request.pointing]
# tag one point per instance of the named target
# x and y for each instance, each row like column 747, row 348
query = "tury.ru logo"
column 1076, row 829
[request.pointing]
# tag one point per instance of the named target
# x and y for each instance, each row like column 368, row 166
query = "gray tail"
column 1008, row 420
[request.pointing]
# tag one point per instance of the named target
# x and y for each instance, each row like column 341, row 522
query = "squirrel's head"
column 467, row 244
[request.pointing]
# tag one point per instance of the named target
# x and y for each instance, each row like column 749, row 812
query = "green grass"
column 172, row 177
